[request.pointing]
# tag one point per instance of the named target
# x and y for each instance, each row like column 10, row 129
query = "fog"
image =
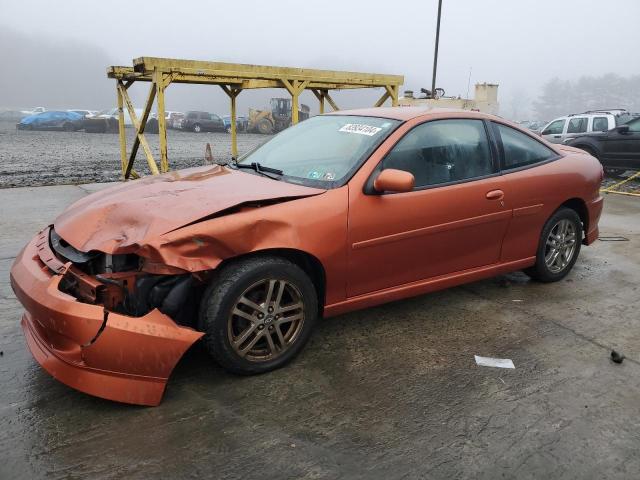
column 55, row 54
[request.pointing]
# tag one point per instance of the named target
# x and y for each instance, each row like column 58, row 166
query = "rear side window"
column 554, row 128
column 192, row 115
column 519, row 149
column 443, row 151
column 578, row 125
column 600, row 124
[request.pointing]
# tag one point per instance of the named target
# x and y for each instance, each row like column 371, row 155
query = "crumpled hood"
column 120, row 219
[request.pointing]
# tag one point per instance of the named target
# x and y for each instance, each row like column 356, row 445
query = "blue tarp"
column 48, row 116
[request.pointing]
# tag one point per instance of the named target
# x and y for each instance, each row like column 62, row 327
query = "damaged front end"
column 113, row 326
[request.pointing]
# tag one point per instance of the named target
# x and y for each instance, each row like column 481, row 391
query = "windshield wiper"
column 255, row 166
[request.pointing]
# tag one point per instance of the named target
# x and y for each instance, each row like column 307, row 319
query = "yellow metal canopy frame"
column 232, row 78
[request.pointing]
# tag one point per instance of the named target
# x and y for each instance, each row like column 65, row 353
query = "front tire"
column 197, row 128
column 265, row 127
column 258, row 314
column 558, row 248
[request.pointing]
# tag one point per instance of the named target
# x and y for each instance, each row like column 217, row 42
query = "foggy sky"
column 55, row 54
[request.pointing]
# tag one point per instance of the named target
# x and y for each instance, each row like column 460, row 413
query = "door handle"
column 495, row 195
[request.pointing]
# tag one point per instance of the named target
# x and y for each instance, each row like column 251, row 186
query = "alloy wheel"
column 560, row 246
column 266, row 320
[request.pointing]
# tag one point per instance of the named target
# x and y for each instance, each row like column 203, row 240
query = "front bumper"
column 102, row 353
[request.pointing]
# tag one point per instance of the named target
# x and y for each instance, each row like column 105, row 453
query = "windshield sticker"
column 314, row 175
column 360, row 129
column 329, row 176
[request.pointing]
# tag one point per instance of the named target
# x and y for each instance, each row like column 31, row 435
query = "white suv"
column 594, row 121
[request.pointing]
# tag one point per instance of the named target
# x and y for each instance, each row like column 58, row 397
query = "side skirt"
column 425, row 286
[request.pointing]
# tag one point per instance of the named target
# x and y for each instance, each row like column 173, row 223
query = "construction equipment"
column 276, row 119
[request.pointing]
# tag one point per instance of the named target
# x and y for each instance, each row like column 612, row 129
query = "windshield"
column 322, row 151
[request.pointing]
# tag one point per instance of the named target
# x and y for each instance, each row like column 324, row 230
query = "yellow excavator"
column 276, row 119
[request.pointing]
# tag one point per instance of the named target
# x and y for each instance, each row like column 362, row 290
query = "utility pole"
column 435, row 54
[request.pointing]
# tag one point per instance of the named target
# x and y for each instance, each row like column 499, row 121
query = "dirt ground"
column 52, row 158
column 389, row 392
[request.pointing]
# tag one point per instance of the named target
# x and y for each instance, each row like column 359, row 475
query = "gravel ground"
column 55, row 158
column 59, row 158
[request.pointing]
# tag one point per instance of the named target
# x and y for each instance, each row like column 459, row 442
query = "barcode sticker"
column 360, row 129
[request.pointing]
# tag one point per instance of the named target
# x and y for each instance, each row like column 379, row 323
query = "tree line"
column 561, row 97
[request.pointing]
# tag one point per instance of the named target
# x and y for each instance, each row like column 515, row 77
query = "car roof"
column 409, row 113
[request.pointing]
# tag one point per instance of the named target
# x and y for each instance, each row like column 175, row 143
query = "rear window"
column 600, row 124
column 519, row 149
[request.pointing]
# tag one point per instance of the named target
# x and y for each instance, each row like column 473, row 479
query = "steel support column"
column 161, row 84
column 233, row 92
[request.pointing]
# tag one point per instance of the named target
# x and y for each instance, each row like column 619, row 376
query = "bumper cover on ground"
column 109, row 355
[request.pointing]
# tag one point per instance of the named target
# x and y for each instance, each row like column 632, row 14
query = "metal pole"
column 435, row 54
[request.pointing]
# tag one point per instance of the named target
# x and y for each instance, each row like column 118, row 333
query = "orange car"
column 340, row 212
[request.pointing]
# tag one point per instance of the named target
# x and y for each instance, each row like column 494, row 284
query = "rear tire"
column 197, row 128
column 559, row 246
column 257, row 314
column 68, row 127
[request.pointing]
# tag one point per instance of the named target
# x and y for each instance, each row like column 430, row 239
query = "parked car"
column 533, row 125
column 617, row 149
column 33, row 111
column 84, row 113
column 106, row 121
column 11, row 115
column 593, row 121
column 340, row 212
column 202, row 122
column 241, row 123
column 52, row 120
column 174, row 119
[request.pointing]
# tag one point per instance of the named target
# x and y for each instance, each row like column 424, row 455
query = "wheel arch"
column 309, row 263
column 587, row 147
column 580, row 207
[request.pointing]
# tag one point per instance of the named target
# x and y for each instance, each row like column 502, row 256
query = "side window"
column 634, row 125
column 519, row 149
column 600, row 124
column 578, row 125
column 554, row 128
column 191, row 116
column 443, row 151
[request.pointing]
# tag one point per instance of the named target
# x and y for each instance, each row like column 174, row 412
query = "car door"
column 622, row 148
column 576, row 126
column 533, row 197
column 554, row 131
column 54, row 120
column 454, row 219
column 216, row 122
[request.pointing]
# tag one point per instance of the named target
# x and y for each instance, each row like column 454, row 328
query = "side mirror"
column 392, row 180
column 623, row 129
